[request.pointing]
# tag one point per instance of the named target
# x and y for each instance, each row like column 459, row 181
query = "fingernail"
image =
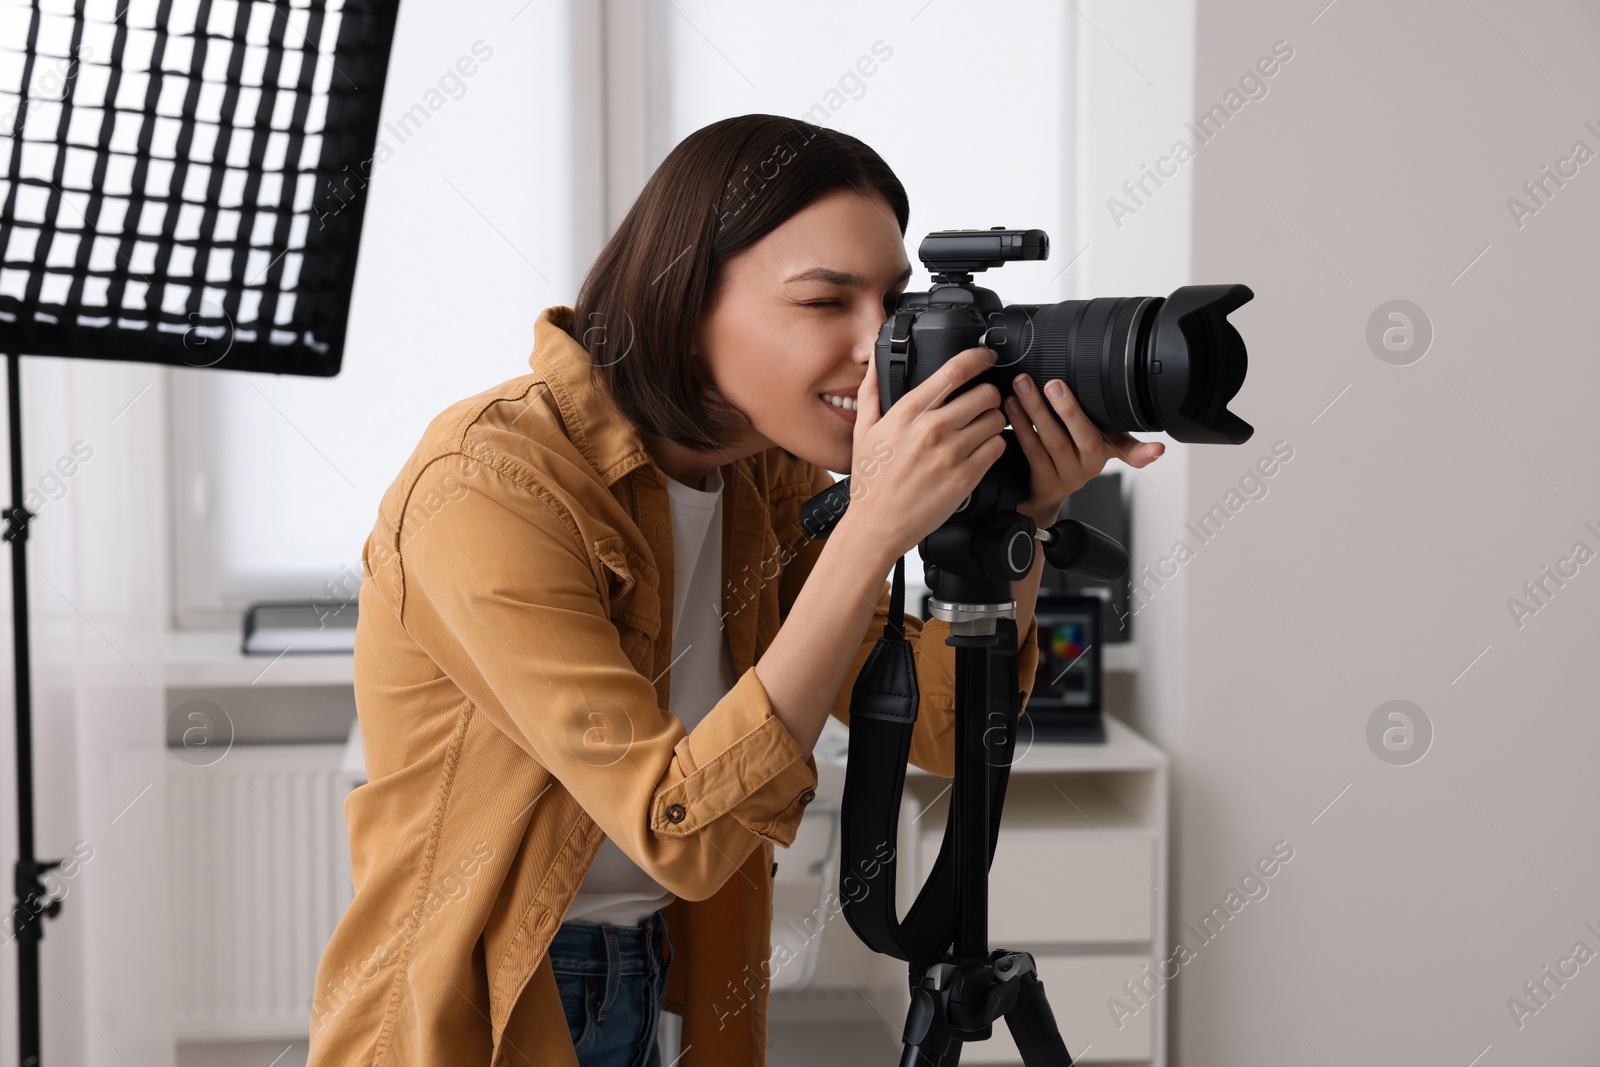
column 1023, row 384
column 1055, row 390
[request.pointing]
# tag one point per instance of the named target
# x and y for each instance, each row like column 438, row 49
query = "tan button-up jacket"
column 512, row 670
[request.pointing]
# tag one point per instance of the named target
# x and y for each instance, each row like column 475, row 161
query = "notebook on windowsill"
column 275, row 627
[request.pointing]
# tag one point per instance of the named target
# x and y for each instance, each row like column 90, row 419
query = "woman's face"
column 797, row 317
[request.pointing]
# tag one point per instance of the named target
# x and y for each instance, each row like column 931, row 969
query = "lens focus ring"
column 1089, row 358
column 1087, row 343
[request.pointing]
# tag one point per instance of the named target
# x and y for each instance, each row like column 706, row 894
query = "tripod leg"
column 927, row 1035
column 1033, row 1027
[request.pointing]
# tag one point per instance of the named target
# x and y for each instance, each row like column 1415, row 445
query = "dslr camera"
column 1135, row 364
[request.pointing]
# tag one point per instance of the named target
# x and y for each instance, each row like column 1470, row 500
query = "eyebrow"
column 840, row 277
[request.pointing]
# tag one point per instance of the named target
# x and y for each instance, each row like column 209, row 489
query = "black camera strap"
column 883, row 712
column 900, row 353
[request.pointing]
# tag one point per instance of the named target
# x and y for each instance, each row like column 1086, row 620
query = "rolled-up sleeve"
column 500, row 593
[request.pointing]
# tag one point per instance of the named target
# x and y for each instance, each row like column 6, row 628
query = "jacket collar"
column 606, row 437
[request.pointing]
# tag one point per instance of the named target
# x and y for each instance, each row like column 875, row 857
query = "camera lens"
column 1137, row 363
column 1096, row 347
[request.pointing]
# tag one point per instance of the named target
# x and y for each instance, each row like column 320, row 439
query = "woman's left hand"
column 1063, row 460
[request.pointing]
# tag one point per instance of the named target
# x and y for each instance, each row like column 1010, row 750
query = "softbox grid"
column 184, row 180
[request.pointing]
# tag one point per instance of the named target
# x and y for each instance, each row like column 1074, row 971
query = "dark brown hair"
column 722, row 189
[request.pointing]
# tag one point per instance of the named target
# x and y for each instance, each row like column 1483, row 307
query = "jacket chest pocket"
column 633, row 599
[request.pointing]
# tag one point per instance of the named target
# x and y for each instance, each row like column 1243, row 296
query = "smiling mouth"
column 846, row 403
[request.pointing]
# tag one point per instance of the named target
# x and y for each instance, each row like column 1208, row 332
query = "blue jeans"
column 611, row 980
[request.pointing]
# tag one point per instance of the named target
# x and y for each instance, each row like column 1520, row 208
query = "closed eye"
column 888, row 303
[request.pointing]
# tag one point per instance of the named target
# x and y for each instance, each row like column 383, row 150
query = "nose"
column 866, row 343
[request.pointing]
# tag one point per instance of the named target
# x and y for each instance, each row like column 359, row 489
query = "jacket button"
column 675, row 813
column 808, row 796
column 774, row 869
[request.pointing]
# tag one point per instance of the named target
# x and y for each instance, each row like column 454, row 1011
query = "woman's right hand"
column 914, row 465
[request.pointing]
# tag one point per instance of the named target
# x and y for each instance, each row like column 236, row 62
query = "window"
column 468, row 235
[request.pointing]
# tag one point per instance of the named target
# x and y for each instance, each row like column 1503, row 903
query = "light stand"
column 181, row 183
column 32, row 906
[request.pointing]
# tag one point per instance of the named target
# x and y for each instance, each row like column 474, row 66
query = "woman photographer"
column 596, row 646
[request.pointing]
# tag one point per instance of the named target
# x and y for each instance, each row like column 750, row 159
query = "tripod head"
column 970, row 561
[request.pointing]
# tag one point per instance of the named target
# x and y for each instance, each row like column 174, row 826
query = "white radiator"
column 260, row 876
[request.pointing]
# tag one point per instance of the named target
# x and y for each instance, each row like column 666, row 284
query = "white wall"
column 976, row 143
column 1135, row 91
column 1381, row 562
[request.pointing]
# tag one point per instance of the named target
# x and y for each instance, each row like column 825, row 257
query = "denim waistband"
column 599, row 948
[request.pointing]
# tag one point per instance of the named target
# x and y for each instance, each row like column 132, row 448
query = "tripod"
column 959, row 986
column 959, row 997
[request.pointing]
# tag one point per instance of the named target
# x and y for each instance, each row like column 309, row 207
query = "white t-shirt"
column 615, row 890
